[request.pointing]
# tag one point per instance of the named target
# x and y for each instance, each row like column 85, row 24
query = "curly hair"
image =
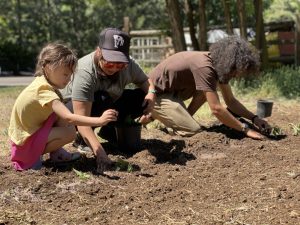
column 232, row 54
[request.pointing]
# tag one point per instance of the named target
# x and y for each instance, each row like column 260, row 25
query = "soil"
column 215, row 177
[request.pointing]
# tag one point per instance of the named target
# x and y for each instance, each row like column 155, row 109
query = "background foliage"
column 26, row 25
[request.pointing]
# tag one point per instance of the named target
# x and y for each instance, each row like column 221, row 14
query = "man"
column 196, row 75
column 99, row 84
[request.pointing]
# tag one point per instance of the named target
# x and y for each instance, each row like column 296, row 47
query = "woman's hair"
column 55, row 54
column 233, row 54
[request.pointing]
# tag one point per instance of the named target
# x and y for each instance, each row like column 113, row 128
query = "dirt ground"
column 215, row 177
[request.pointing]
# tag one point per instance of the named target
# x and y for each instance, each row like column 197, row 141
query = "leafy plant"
column 122, row 165
column 276, row 131
column 295, row 128
column 81, row 175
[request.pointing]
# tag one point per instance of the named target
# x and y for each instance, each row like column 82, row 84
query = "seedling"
column 81, row 175
column 276, row 131
column 295, row 128
column 122, row 165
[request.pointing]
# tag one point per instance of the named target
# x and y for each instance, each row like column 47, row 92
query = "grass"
column 8, row 96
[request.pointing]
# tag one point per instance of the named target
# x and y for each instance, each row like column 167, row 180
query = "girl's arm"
column 63, row 112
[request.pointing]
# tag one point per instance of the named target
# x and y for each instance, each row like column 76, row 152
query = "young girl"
column 40, row 123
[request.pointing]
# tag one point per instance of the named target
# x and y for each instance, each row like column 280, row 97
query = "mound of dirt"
column 215, row 177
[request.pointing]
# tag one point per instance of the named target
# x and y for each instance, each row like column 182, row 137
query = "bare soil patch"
column 215, row 177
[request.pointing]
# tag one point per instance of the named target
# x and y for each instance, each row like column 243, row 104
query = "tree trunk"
column 176, row 24
column 227, row 15
column 202, row 26
column 242, row 18
column 260, row 39
column 297, row 40
column 189, row 13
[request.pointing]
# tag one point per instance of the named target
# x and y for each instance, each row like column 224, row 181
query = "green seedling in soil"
column 276, row 131
column 122, row 165
column 295, row 128
column 81, row 175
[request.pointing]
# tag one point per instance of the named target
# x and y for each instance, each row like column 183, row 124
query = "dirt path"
column 216, row 177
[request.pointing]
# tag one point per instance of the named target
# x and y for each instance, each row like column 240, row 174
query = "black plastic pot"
column 129, row 138
column 264, row 108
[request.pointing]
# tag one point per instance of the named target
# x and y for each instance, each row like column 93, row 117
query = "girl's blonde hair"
column 55, row 54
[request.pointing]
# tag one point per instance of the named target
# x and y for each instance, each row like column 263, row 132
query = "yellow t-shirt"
column 31, row 110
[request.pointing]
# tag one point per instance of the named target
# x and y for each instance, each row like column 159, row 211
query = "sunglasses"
column 116, row 65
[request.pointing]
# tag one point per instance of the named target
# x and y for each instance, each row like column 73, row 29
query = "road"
column 15, row 81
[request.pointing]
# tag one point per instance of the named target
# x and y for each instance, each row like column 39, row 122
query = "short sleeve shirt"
column 184, row 73
column 87, row 81
column 31, row 110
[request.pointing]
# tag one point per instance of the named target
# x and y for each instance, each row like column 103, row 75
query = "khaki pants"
column 172, row 112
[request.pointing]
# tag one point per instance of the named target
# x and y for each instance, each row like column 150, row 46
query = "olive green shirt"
column 87, row 80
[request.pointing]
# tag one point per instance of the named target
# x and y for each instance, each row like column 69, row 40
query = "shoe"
column 83, row 149
column 81, row 145
column 38, row 164
column 63, row 156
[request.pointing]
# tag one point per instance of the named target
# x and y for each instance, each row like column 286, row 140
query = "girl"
column 40, row 123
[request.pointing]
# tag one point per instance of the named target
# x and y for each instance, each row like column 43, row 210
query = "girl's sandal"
column 63, row 156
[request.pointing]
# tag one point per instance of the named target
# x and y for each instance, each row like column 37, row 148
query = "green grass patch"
column 283, row 82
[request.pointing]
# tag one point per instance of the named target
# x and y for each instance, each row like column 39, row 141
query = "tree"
column 202, row 26
column 260, row 40
column 176, row 25
column 227, row 15
column 242, row 18
column 189, row 13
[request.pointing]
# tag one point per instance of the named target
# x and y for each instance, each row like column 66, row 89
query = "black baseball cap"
column 114, row 45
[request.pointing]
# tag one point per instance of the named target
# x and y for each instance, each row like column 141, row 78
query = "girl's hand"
column 108, row 116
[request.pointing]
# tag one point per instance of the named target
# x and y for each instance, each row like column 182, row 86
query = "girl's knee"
column 70, row 133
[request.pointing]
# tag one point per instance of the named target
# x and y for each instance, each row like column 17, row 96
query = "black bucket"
column 264, row 108
column 129, row 138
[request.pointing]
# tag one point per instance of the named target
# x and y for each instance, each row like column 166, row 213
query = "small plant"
column 295, row 128
column 276, row 131
column 81, row 175
column 122, row 165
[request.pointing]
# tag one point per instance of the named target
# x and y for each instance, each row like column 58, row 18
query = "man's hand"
column 262, row 125
column 103, row 162
column 145, row 119
column 254, row 135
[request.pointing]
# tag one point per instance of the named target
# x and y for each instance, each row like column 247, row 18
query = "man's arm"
column 197, row 101
column 225, row 117
column 87, row 133
column 238, row 108
column 149, row 89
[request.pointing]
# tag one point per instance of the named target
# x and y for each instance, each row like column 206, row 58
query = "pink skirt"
column 25, row 156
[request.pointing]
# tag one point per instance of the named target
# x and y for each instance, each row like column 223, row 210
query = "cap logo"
column 119, row 40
